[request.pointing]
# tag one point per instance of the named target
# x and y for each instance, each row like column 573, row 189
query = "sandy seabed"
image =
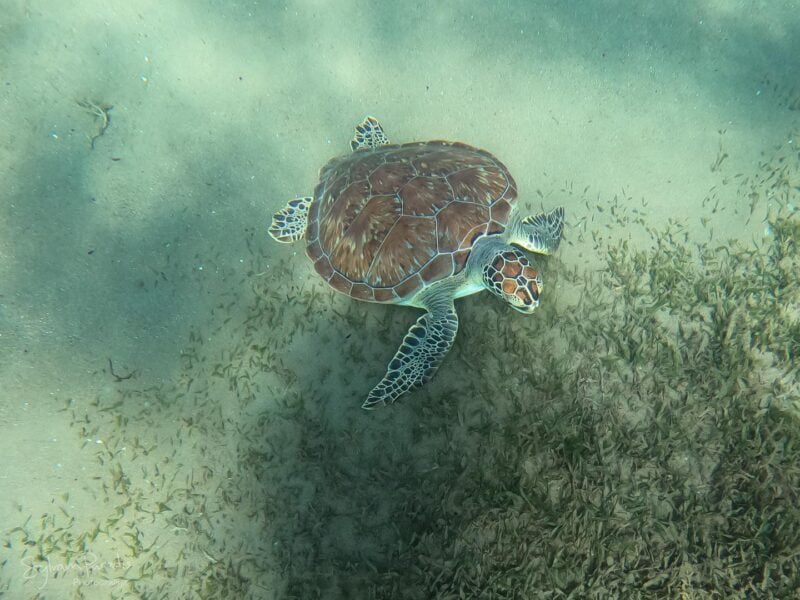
column 180, row 400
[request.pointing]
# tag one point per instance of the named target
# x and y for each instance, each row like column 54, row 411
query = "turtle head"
column 510, row 275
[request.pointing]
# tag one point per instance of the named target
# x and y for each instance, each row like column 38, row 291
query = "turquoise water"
column 180, row 413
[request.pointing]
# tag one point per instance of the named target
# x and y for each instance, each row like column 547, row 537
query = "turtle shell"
column 386, row 222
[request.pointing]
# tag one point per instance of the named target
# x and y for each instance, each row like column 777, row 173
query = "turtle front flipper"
column 418, row 357
column 289, row 223
column 369, row 134
column 540, row 233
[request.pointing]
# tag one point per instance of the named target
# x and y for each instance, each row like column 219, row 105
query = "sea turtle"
column 419, row 224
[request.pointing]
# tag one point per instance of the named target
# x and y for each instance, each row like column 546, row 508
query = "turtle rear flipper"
column 418, row 357
column 289, row 223
column 369, row 134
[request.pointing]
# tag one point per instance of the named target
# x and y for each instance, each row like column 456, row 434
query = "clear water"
column 180, row 396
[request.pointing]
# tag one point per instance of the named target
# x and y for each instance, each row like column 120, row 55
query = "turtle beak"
column 526, row 310
column 528, row 294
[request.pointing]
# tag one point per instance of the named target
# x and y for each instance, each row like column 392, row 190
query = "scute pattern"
column 353, row 252
column 425, row 196
column 387, row 221
column 409, row 246
column 456, row 221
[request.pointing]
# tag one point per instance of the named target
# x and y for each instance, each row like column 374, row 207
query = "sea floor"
column 180, row 408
